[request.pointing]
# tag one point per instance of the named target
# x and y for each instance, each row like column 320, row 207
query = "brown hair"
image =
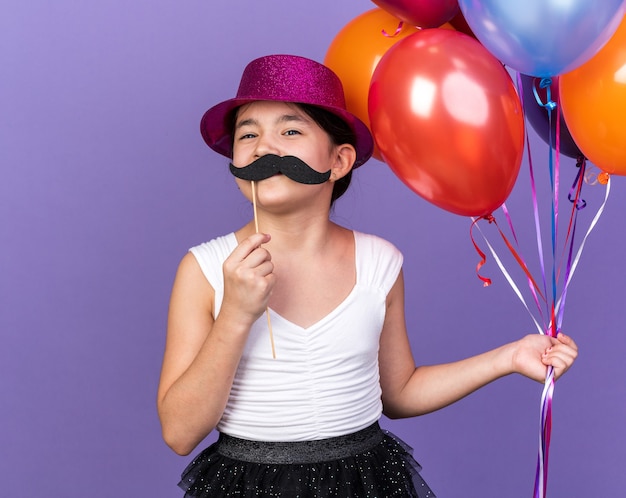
column 340, row 133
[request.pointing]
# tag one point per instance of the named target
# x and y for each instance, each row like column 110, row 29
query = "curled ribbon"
column 487, row 281
column 398, row 29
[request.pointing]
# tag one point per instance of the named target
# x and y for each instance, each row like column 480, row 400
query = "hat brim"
column 214, row 128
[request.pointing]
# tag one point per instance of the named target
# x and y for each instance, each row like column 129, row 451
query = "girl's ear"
column 345, row 155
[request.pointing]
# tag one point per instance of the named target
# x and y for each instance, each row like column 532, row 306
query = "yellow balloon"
column 593, row 100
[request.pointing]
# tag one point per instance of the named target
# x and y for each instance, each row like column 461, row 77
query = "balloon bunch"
column 432, row 79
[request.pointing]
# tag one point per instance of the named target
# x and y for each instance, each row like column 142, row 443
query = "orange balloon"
column 593, row 100
column 354, row 54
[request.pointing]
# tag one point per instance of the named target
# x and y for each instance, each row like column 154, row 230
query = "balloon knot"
column 545, row 82
column 550, row 104
column 603, row 178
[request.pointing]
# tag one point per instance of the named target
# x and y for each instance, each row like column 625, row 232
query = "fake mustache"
column 290, row 166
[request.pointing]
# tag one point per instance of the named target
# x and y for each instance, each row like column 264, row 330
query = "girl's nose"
column 266, row 145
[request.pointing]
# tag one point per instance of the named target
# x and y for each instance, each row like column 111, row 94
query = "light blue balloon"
column 543, row 37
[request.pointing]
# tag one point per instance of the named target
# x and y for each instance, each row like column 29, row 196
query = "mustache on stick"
column 290, row 166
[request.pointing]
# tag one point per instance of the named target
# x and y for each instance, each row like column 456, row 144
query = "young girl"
column 288, row 335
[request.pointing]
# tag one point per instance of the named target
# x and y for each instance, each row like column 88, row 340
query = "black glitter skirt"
column 371, row 463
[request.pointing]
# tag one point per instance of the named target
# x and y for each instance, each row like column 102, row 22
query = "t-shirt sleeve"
column 379, row 261
column 211, row 256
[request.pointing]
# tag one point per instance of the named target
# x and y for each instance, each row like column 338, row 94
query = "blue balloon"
column 543, row 37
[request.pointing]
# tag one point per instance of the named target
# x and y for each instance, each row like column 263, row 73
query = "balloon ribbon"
column 554, row 308
column 487, row 281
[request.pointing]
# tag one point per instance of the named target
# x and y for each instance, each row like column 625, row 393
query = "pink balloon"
column 422, row 13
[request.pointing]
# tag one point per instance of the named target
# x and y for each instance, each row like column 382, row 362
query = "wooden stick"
column 256, row 228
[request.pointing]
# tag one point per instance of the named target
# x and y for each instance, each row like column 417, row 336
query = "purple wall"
column 105, row 182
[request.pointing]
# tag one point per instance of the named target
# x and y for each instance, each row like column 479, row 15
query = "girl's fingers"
column 560, row 357
column 249, row 245
column 249, row 254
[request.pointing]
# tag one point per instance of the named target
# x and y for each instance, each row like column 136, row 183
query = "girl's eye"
column 292, row 132
column 246, row 135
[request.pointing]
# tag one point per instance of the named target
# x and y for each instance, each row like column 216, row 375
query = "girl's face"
column 280, row 128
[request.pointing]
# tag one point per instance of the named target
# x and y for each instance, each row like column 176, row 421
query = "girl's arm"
column 202, row 353
column 410, row 391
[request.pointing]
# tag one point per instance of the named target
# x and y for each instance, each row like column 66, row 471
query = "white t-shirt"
column 324, row 381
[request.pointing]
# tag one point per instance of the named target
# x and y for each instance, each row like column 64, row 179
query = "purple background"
column 105, row 182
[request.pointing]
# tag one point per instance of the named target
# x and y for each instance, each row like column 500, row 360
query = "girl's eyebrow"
column 246, row 122
column 285, row 118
